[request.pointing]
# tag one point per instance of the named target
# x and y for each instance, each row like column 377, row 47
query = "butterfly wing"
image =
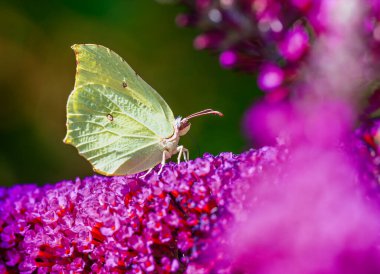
column 114, row 118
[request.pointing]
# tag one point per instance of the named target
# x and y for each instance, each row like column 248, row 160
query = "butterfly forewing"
column 114, row 118
column 99, row 65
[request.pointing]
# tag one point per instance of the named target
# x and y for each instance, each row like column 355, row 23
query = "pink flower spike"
column 303, row 5
column 295, row 44
column 228, row 59
column 270, row 77
column 208, row 40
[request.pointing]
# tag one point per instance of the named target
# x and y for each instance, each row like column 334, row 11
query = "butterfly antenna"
column 204, row 112
column 184, row 124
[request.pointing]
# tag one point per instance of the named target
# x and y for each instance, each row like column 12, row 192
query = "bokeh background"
column 37, row 74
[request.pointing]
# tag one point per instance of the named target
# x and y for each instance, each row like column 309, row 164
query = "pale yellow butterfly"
column 117, row 121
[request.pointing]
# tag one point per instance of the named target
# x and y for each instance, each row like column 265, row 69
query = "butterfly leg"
column 186, row 154
column 182, row 151
column 149, row 171
column 165, row 155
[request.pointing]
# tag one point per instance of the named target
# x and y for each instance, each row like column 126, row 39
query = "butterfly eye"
column 110, row 117
column 124, row 84
column 184, row 124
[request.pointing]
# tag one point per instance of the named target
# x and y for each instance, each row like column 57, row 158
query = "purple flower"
column 249, row 34
column 295, row 44
column 228, row 59
column 270, row 77
column 166, row 223
column 369, row 147
column 213, row 214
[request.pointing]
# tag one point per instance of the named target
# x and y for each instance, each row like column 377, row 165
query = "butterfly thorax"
column 170, row 144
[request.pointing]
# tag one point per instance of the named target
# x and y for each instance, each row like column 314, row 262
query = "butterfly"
column 119, row 123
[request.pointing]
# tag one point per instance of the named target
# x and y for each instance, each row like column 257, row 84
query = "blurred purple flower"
column 228, row 59
column 315, row 219
column 295, row 44
column 250, row 34
column 270, row 77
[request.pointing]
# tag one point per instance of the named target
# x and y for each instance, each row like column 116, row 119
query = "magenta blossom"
column 315, row 219
column 295, row 44
column 168, row 223
column 212, row 215
column 250, row 34
column 270, row 77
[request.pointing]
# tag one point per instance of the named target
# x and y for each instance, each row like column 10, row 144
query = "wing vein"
column 133, row 151
column 125, row 154
column 127, row 114
column 97, row 148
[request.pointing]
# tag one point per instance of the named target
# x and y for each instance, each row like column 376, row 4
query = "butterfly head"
column 183, row 124
column 184, row 127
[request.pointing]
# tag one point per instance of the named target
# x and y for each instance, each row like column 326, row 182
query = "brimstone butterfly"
column 117, row 121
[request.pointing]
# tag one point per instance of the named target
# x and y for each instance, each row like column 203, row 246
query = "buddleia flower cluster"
column 168, row 223
column 216, row 214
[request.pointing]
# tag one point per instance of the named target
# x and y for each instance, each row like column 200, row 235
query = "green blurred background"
column 37, row 74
